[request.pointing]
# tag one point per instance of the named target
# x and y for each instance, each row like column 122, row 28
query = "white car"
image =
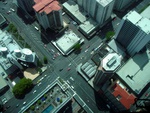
column 71, row 78
column 34, row 91
column 72, row 87
column 12, row 9
column 68, row 82
column 39, row 84
column 24, row 103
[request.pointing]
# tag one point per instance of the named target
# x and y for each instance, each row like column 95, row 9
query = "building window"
column 118, row 97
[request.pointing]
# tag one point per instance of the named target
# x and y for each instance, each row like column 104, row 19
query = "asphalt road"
column 34, row 39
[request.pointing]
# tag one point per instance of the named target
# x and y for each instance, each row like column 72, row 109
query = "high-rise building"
column 120, row 4
column 100, row 10
column 48, row 13
column 26, row 5
column 133, row 33
column 103, row 10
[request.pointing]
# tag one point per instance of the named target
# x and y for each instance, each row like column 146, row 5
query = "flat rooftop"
column 145, row 13
column 138, row 20
column 86, row 24
column 133, row 17
column 104, row 2
column 135, row 72
column 111, row 61
column 67, row 41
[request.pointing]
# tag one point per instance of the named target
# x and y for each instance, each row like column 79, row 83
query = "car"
column 52, row 50
column 7, row 107
column 45, row 75
column 60, row 69
column 4, row 100
column 38, row 81
column 41, row 78
column 8, row 12
column 72, row 87
column 39, row 84
column 63, row 13
column 34, row 91
column 72, row 78
column 87, row 46
column 68, row 69
column 12, row 9
column 36, row 28
column 17, row 105
column 24, row 103
column 86, row 50
column 69, row 64
column 68, row 82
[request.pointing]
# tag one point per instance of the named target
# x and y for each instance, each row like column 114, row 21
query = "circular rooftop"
column 26, row 51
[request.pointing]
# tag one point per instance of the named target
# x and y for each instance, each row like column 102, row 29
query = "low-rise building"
column 66, row 43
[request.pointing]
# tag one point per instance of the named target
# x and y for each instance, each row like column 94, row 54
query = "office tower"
column 103, row 10
column 133, row 33
column 100, row 10
column 48, row 13
column 26, row 5
column 120, row 4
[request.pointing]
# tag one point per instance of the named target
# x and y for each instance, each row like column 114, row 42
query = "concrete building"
column 99, row 10
column 26, row 5
column 122, row 4
column 87, row 25
column 2, row 21
column 133, row 33
column 12, row 56
column 118, row 80
column 103, row 10
column 66, row 43
column 48, row 13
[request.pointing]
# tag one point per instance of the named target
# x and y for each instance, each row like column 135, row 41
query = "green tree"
column 39, row 102
column 109, row 35
column 32, row 107
column 45, row 60
column 10, row 27
column 77, row 46
column 14, row 29
column 22, row 87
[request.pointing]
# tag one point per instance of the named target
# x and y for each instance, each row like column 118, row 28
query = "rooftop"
column 135, row 73
column 67, row 41
column 46, row 6
column 86, row 24
column 145, row 13
column 111, row 62
column 104, row 2
column 122, row 95
column 138, row 20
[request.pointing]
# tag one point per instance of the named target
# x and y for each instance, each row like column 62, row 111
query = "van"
column 36, row 28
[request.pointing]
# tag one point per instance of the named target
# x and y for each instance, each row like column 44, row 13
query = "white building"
column 133, row 33
column 100, row 10
column 48, row 13
column 12, row 56
column 103, row 10
column 66, row 43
